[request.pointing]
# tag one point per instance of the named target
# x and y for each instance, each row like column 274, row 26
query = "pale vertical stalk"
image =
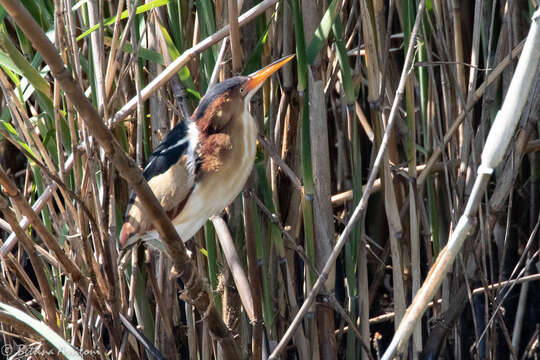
column 458, row 46
column 112, row 64
column 288, row 47
column 351, row 248
column 275, row 138
column 162, row 317
column 324, row 224
column 395, row 234
column 411, row 158
column 233, row 260
column 359, row 235
column 475, row 49
column 191, row 332
column 432, row 215
column 413, row 215
column 466, row 162
column 73, row 121
column 213, row 271
column 96, row 40
column 236, row 49
column 139, row 151
column 205, row 350
column 214, row 78
column 159, row 117
column 111, row 253
column 307, row 172
column 59, row 135
column 278, row 132
column 68, row 6
column 253, row 272
column 59, row 42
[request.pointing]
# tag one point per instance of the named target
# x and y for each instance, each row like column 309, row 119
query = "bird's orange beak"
column 257, row 78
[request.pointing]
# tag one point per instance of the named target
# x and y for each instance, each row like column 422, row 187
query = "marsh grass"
column 321, row 121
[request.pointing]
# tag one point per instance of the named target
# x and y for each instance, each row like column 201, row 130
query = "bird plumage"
column 203, row 163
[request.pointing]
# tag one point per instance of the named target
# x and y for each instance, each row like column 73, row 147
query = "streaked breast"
column 218, row 189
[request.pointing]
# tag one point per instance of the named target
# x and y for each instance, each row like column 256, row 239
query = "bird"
column 202, row 164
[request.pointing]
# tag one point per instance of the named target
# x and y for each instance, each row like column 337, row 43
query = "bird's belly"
column 218, row 189
column 204, row 204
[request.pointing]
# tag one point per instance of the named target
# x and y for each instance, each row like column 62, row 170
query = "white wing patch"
column 193, row 138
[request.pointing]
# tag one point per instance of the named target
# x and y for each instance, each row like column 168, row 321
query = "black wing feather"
column 168, row 151
column 165, row 155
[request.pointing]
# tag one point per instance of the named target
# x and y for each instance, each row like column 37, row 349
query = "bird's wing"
column 170, row 173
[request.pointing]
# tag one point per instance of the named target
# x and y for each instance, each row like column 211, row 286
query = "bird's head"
column 230, row 98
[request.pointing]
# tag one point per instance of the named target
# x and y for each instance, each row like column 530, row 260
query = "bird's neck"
column 232, row 142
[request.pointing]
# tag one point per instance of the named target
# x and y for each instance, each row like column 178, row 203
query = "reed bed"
column 369, row 147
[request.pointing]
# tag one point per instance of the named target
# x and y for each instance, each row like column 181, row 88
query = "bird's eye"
column 242, row 90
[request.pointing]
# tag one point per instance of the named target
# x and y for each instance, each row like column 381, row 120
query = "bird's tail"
column 131, row 235
column 127, row 230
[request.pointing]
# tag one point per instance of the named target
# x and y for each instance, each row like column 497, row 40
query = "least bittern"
column 203, row 163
